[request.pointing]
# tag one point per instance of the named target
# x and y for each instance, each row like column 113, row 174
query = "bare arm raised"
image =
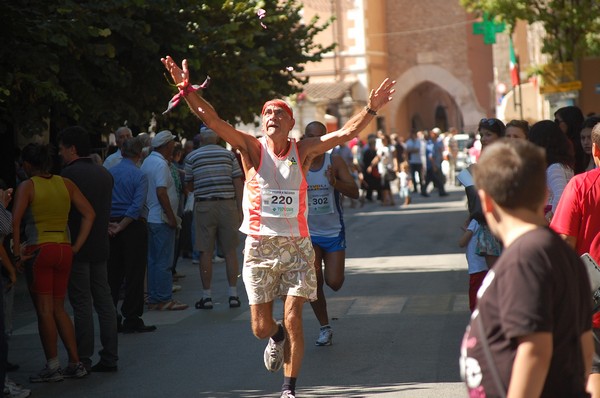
column 378, row 98
column 245, row 143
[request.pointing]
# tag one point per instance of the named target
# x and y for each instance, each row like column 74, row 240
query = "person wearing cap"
column 161, row 202
column 278, row 255
column 214, row 175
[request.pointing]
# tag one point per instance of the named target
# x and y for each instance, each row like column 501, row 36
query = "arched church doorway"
column 429, row 105
column 422, row 89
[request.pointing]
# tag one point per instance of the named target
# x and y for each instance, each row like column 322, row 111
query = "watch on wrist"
column 370, row 111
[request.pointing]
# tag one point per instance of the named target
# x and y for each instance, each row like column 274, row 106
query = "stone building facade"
column 444, row 73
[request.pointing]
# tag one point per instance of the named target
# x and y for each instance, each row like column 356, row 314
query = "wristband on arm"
column 184, row 89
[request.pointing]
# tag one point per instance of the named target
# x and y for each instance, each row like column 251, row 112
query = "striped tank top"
column 274, row 202
column 47, row 215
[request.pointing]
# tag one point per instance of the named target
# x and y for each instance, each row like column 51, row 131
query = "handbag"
column 389, row 175
column 593, row 272
column 375, row 172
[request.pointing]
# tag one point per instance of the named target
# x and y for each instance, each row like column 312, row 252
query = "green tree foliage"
column 571, row 25
column 97, row 63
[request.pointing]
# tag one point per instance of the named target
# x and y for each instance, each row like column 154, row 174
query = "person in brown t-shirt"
column 530, row 335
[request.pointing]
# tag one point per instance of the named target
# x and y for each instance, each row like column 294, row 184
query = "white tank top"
column 274, row 202
column 324, row 210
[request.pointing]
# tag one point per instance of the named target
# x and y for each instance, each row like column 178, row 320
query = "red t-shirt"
column 578, row 215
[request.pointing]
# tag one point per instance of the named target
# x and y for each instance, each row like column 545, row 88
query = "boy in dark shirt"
column 530, row 335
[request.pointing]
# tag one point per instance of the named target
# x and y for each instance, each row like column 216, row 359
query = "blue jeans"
column 161, row 247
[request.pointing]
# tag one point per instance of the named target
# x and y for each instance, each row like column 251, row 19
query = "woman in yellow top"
column 43, row 202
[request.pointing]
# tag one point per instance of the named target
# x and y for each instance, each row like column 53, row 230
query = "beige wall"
column 377, row 55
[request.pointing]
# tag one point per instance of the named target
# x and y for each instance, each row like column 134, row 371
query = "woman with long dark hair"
column 43, row 202
column 569, row 119
column 560, row 159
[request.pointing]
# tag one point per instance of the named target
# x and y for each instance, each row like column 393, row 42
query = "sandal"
column 171, row 305
column 204, row 304
column 234, row 302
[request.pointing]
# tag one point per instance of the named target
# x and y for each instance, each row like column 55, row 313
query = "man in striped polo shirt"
column 214, row 175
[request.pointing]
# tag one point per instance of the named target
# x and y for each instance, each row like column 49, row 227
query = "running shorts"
column 279, row 266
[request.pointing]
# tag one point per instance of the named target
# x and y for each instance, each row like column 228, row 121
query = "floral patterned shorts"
column 279, row 266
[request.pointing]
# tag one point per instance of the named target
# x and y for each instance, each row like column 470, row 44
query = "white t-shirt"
column 403, row 179
column 414, row 157
column 157, row 171
column 475, row 262
column 557, row 177
column 113, row 159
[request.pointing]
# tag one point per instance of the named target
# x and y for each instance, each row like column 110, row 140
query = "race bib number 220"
column 282, row 203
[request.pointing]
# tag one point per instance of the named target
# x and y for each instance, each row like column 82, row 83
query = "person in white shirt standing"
column 121, row 135
column 161, row 202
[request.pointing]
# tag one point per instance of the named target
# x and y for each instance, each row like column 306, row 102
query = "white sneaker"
column 325, row 337
column 74, row 372
column 274, row 355
column 47, row 375
column 176, row 288
column 14, row 390
column 287, row 394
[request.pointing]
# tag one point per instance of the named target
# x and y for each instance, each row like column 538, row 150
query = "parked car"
column 462, row 159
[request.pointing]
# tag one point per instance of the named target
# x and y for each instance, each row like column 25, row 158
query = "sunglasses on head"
column 489, row 122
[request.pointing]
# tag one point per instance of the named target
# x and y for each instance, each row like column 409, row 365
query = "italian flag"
column 514, row 66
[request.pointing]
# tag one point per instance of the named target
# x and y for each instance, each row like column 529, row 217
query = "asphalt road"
column 398, row 322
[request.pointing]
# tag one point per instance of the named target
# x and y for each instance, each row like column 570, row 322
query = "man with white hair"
column 435, row 155
column 121, row 135
column 129, row 238
column 161, row 202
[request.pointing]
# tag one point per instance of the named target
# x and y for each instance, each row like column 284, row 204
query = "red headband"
column 279, row 103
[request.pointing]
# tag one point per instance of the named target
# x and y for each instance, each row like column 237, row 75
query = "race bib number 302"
column 280, row 203
column 320, row 203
